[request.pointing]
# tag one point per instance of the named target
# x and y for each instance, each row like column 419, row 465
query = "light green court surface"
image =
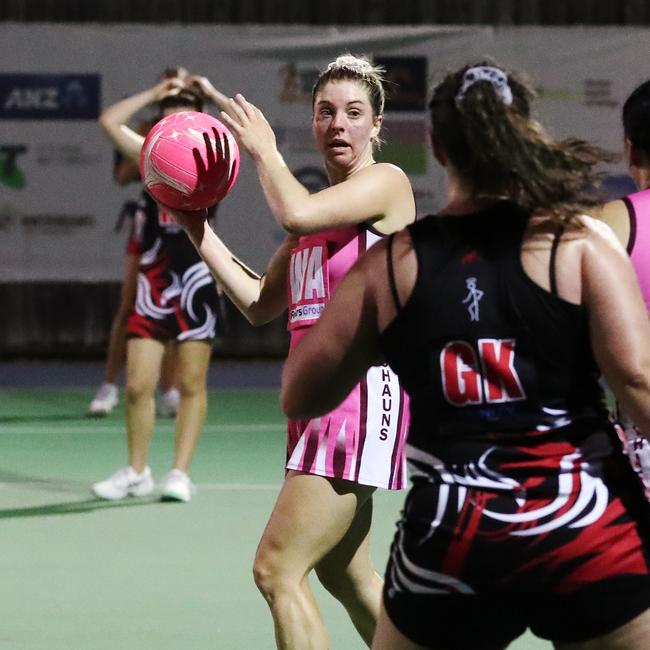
column 80, row 574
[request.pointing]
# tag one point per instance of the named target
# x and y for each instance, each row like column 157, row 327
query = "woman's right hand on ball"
column 187, row 219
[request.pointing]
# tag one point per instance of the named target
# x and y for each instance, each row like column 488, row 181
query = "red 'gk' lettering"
column 490, row 377
column 461, row 380
column 500, row 382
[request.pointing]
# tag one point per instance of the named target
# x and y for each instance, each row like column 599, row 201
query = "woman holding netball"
column 322, row 516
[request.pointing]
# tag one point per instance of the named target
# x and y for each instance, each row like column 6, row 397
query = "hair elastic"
column 495, row 76
column 354, row 64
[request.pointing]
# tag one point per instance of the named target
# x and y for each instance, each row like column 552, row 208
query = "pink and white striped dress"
column 363, row 439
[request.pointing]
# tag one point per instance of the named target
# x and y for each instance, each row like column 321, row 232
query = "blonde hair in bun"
column 356, row 68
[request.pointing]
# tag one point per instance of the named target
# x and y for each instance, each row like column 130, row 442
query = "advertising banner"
column 59, row 204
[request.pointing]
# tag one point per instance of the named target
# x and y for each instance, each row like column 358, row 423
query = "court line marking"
column 86, row 429
column 238, row 487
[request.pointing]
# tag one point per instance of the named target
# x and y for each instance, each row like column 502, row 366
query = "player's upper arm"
column 379, row 194
column 125, row 139
column 620, row 330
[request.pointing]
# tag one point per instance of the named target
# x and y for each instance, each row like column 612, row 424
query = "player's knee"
column 266, row 576
column 136, row 391
column 270, row 578
column 191, row 385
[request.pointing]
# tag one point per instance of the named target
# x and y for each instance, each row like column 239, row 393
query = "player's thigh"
column 311, row 516
column 634, row 635
column 351, row 555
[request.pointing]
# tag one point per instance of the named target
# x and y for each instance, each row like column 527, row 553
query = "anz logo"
column 44, row 99
column 49, row 96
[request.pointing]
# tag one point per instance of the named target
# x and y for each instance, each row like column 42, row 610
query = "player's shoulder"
column 386, row 169
column 599, row 237
column 611, row 212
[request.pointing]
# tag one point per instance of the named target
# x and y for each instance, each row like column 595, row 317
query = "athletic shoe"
column 123, row 483
column 105, row 400
column 167, row 403
column 176, row 486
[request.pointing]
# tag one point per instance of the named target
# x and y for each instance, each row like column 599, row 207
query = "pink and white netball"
column 180, row 169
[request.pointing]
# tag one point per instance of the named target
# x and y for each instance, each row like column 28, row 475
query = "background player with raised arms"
column 176, row 302
column 125, row 172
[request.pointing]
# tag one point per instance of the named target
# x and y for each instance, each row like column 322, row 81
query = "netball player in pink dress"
column 629, row 218
column 321, row 519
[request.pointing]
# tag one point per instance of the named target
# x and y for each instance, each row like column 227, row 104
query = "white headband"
column 496, row 77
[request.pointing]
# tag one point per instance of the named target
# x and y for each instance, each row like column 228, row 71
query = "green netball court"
column 81, row 574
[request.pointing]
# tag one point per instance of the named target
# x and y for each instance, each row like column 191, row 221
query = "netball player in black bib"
column 176, row 303
column 498, row 315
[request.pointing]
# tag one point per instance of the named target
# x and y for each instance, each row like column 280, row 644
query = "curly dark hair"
column 499, row 150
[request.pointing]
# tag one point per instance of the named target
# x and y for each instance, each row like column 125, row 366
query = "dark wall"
column 73, row 320
column 342, row 12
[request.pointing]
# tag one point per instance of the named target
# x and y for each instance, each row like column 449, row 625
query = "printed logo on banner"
column 8, row 216
column 56, row 224
column 546, row 93
column 10, row 173
column 407, row 79
column 65, row 154
column 599, row 92
column 49, row 96
column 297, row 82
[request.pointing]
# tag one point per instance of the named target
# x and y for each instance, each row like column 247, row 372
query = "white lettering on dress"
column 313, row 283
column 297, row 276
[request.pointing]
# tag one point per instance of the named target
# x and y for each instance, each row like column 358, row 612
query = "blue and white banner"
column 49, row 96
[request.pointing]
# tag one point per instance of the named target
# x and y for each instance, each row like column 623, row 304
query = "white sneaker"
column 167, row 403
column 123, row 483
column 105, row 400
column 176, row 486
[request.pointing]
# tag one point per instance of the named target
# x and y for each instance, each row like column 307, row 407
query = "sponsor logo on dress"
column 474, row 295
column 387, row 379
column 308, row 284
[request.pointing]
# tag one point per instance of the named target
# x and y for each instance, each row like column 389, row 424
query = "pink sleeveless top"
column 362, row 440
column 638, row 247
column 635, row 445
